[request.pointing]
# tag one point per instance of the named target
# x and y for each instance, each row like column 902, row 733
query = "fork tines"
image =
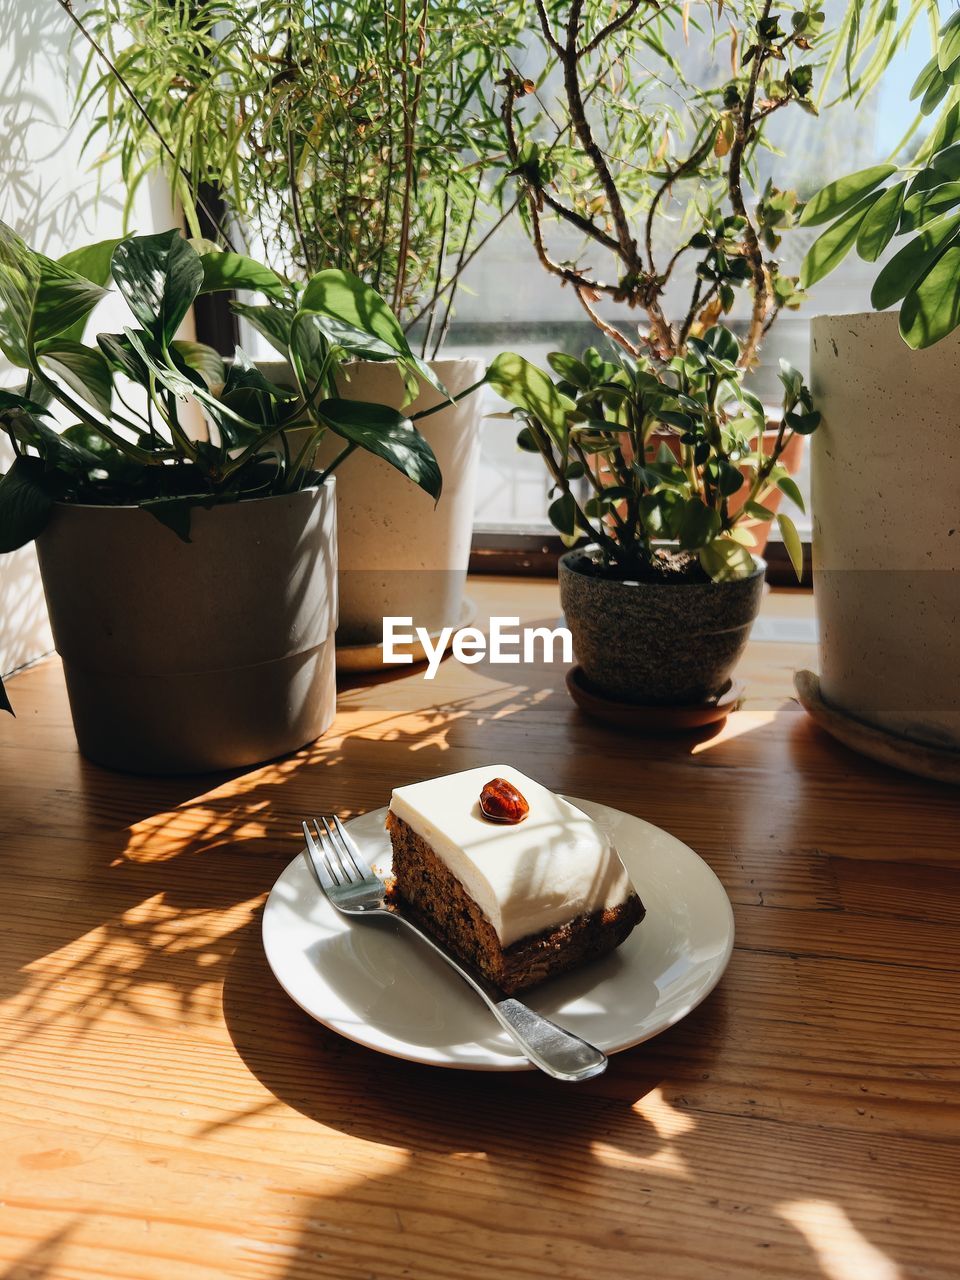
column 336, row 858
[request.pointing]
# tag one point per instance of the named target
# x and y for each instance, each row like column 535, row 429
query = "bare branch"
column 751, row 242
column 616, row 23
column 611, row 331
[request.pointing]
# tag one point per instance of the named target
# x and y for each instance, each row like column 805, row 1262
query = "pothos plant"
column 128, row 439
column 640, row 173
column 919, row 201
column 642, row 453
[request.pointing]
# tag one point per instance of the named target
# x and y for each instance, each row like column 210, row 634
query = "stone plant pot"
column 186, row 657
column 885, row 476
column 656, row 644
column 400, row 554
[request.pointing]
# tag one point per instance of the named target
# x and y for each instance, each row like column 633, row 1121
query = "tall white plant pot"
column 400, row 554
column 885, row 474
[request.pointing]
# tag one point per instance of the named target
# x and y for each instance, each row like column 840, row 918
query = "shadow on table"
column 480, row 1174
column 137, row 889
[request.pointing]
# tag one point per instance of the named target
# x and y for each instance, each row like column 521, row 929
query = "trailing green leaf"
column 24, row 504
column 223, row 271
column 159, row 277
column 84, row 369
column 387, row 434
column 524, row 385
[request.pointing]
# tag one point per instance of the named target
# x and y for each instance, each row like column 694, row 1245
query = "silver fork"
column 353, row 887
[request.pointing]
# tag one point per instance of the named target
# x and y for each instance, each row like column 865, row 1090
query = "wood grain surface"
column 166, row 1113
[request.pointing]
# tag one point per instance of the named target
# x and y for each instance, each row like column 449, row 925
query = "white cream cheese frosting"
column 527, row 877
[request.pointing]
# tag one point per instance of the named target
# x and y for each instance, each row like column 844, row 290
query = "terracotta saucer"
column 653, row 719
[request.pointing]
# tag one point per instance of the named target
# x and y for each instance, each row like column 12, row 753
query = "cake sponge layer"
column 439, row 902
column 555, row 865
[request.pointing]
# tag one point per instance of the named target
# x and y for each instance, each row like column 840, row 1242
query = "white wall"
column 57, row 201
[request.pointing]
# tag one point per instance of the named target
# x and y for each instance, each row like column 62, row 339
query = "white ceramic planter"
column 186, row 657
column 400, row 554
column 885, row 475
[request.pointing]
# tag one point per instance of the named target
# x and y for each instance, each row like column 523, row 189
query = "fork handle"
column 559, row 1053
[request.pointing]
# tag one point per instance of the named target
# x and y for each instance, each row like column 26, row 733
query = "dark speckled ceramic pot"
column 657, row 644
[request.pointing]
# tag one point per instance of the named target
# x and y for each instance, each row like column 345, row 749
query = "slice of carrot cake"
column 515, row 880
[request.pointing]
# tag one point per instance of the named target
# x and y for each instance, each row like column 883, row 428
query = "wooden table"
column 168, row 1113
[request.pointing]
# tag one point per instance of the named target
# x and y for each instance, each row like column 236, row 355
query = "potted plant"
column 189, row 570
column 353, row 136
column 661, row 600
column 636, row 169
column 886, row 533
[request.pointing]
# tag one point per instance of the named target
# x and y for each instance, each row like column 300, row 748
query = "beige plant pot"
column 885, row 476
column 186, row 657
column 400, row 554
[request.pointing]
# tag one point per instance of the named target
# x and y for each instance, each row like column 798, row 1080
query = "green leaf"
column 948, row 50
column 122, row 356
column 791, row 540
column 698, row 525
column 173, row 513
column 525, row 439
column 803, row 423
column 880, row 225
column 19, row 280
column 787, row 485
column 159, row 276
column 272, row 322
column 924, row 206
column 345, row 297
column 912, row 262
column 24, row 504
column 722, row 343
column 757, row 511
column 243, row 374
column 725, row 560
column 829, row 249
column 92, row 261
column 236, row 271
column 930, row 74
column 389, row 435
column 571, row 369
column 931, row 309
column 839, row 196
column 202, row 359
column 562, row 514
column 526, row 387
column 84, row 369
column 63, row 300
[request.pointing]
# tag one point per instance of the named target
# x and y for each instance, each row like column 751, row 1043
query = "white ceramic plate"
column 374, row 983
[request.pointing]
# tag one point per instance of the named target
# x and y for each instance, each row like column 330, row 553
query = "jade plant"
column 914, row 207
column 149, row 419
column 659, row 464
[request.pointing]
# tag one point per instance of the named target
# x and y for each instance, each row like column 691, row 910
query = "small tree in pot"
column 202, row 637
column 661, row 601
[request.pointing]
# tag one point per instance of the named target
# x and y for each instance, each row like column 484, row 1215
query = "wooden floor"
column 166, row 1113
